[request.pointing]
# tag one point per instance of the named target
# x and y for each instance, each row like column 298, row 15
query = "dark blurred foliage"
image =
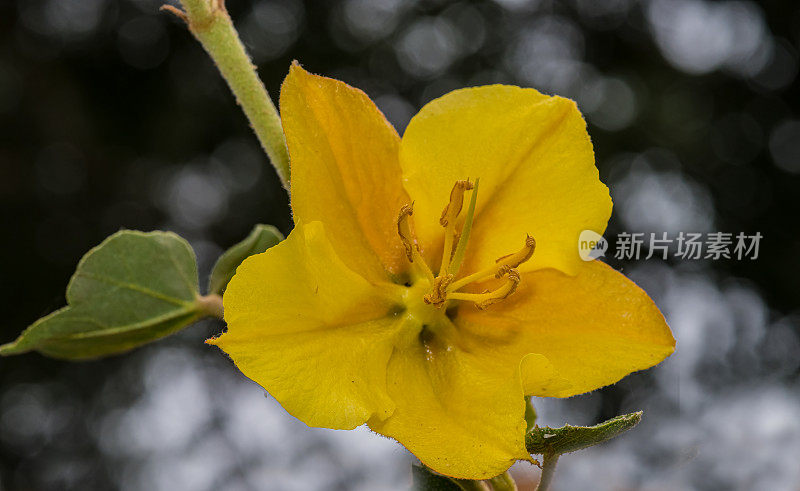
column 111, row 116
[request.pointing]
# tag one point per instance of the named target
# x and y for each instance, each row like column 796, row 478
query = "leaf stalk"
column 211, row 305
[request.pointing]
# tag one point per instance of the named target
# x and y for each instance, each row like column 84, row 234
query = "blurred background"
column 111, row 116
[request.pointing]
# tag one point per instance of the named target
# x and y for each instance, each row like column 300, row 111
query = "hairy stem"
column 209, row 22
column 549, row 462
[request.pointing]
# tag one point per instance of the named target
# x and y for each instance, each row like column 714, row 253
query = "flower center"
column 442, row 287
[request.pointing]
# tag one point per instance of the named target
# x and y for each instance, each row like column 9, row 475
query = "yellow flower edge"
column 367, row 312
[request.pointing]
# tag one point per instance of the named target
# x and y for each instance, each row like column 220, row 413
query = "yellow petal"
column 586, row 331
column 345, row 171
column 310, row 331
column 460, row 413
column 536, row 166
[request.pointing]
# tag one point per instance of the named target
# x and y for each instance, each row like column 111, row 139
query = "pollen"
column 445, row 286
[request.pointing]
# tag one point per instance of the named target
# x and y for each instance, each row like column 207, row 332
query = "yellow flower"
column 429, row 326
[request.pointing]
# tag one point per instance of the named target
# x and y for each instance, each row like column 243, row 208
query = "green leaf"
column 133, row 288
column 556, row 441
column 260, row 239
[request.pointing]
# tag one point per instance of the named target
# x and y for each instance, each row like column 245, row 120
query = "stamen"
column 443, row 288
column 448, row 220
column 409, row 239
column 483, row 300
column 453, row 208
column 404, row 230
column 521, row 256
column 438, row 294
column 501, row 267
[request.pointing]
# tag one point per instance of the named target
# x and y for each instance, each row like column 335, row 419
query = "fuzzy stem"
column 209, row 22
column 549, row 462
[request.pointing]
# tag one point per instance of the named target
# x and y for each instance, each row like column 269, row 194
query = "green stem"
column 209, row 22
column 469, row 485
column 503, row 482
column 211, row 305
column 549, row 461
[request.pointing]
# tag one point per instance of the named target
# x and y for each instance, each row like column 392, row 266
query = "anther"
column 409, row 240
column 404, row 230
column 483, row 300
column 502, row 271
column 453, row 208
column 438, row 294
column 448, row 221
column 509, row 287
column 514, row 260
column 501, row 267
